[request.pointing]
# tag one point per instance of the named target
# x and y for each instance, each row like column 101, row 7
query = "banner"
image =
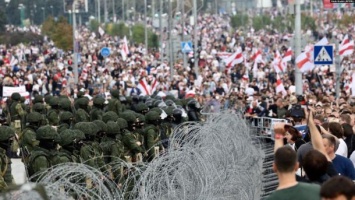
column 7, row 91
column 327, row 4
column 224, row 55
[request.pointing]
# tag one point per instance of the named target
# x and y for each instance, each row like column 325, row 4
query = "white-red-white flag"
column 234, row 59
column 190, row 94
column 124, row 50
column 257, row 56
column 346, row 47
column 278, row 64
column 304, row 63
column 280, row 86
column 154, row 85
column 101, row 31
column 288, row 55
column 144, row 87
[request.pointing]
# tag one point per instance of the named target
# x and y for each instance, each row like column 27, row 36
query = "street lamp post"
column 195, row 36
column 75, row 57
column 145, row 28
column 44, row 13
column 52, row 10
column 21, row 7
column 298, row 74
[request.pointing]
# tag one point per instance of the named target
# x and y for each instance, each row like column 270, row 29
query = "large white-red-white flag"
column 280, row 86
column 278, row 63
column 234, row 59
column 288, row 55
column 144, row 87
column 124, row 50
column 346, row 47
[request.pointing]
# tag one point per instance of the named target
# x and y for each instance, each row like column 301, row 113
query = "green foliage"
column 2, row 20
column 60, row 32
column 261, row 21
column 120, row 29
column 17, row 38
column 153, row 41
column 346, row 20
column 94, row 25
column 307, row 22
column 239, row 20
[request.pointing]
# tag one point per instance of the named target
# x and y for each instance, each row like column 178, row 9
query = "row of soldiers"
column 56, row 130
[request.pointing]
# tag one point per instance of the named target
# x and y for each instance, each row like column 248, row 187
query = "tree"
column 239, row 20
column 94, row 25
column 60, row 32
column 2, row 20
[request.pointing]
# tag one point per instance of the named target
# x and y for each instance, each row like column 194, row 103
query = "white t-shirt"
column 342, row 149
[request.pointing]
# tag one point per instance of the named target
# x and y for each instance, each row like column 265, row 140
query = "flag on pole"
column 234, row 59
column 101, row 31
column 346, row 47
column 280, row 86
column 287, row 56
column 144, row 87
column 124, row 50
column 304, row 61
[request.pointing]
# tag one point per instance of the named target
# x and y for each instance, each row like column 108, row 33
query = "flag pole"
column 298, row 74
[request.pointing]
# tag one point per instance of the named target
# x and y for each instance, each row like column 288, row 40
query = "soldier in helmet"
column 53, row 112
column 98, row 109
column 38, row 99
column 40, row 108
column 66, row 119
column 65, row 105
column 133, row 148
column 45, row 154
column 7, row 137
column 193, row 109
column 151, row 134
column 114, row 103
column 113, row 149
column 17, row 114
column 166, row 127
column 28, row 137
column 70, row 142
column 81, row 114
column 139, row 129
column 89, row 152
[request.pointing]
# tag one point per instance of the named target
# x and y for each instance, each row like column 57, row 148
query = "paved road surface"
column 18, row 171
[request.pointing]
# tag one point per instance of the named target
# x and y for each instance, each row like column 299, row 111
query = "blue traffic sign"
column 186, row 47
column 323, row 55
column 105, row 52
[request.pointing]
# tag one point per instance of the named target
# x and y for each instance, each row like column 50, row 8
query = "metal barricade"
column 264, row 125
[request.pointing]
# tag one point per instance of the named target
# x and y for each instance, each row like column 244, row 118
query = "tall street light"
column 75, row 57
column 44, row 14
column 52, row 10
column 145, row 28
column 298, row 74
column 21, row 7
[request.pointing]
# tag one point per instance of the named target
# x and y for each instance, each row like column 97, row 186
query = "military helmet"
column 169, row 102
column 54, row 101
column 140, row 117
column 99, row 101
column 122, row 123
column 149, row 103
column 170, row 97
column 178, row 102
column 83, row 102
column 34, row 117
column 48, row 98
column 158, row 110
column 46, row 133
column 152, row 116
column 101, row 125
column 112, row 128
column 193, row 103
column 158, row 98
column 142, row 98
column 67, row 137
column 66, row 116
column 6, row 133
column 16, row 96
column 109, row 116
column 177, row 112
column 80, row 94
column 169, row 110
column 65, row 104
column 129, row 117
column 38, row 107
column 141, row 107
column 128, row 99
column 89, row 128
column 135, row 98
column 115, row 93
column 123, row 99
column 38, row 99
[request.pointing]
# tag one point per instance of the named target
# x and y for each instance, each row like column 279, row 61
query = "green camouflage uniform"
column 69, row 140
column 114, row 103
column 28, row 137
column 53, row 113
column 17, row 114
column 66, row 119
column 151, row 134
column 97, row 111
column 45, row 155
column 6, row 178
column 109, row 116
column 81, row 115
column 40, row 108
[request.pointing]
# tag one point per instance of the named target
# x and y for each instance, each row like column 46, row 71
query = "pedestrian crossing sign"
column 186, row 47
column 323, row 55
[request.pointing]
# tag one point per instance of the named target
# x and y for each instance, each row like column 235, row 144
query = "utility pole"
column 123, row 11
column 75, row 57
column 183, row 30
column 338, row 70
column 105, row 11
column 161, row 28
column 145, row 28
column 113, row 11
column 171, row 55
column 298, row 74
column 195, row 36
column 99, row 10
column 153, row 9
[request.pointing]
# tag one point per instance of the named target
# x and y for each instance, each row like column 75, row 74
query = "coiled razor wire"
column 217, row 159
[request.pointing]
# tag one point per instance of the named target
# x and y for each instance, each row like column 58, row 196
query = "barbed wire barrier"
column 217, row 159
